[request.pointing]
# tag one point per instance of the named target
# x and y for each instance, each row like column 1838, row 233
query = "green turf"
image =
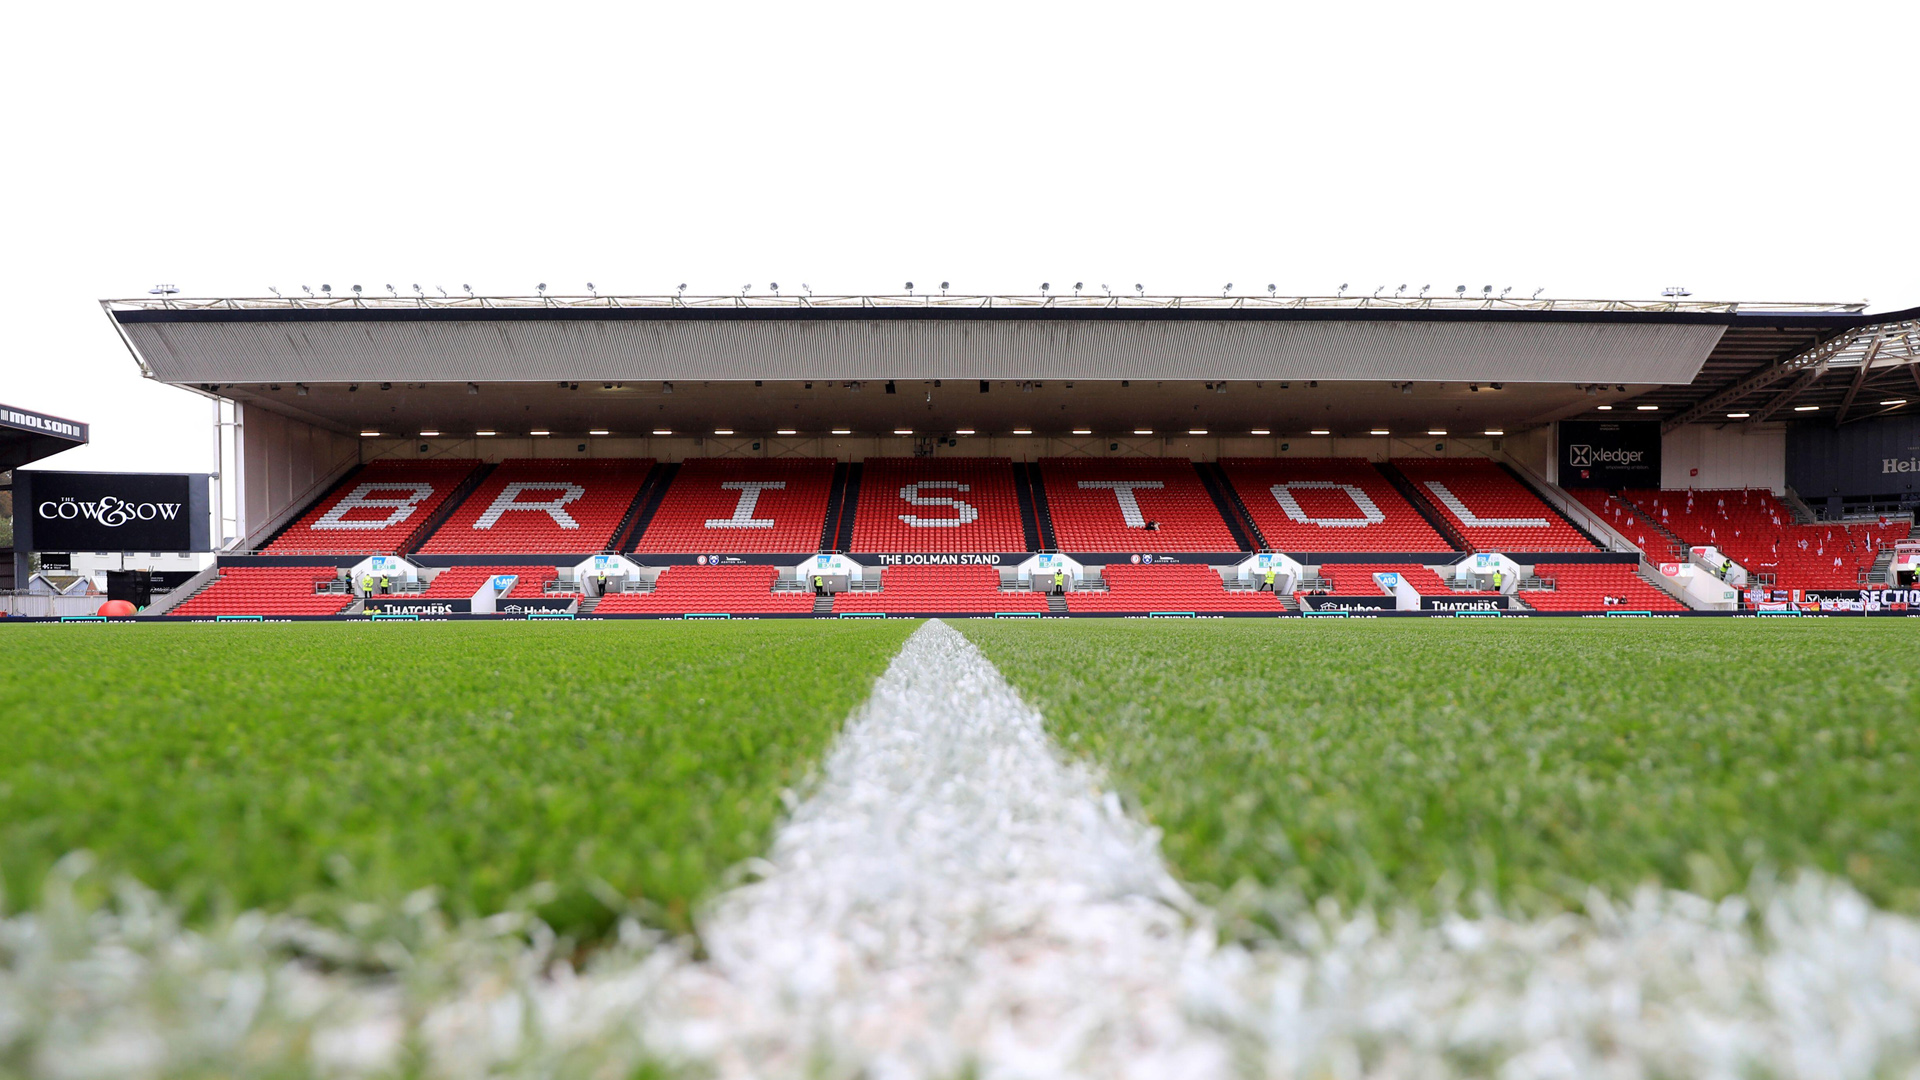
column 296, row 765
column 1408, row 761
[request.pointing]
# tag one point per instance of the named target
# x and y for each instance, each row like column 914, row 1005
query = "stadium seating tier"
column 704, row 590
column 265, row 590
column 1755, row 529
column 1490, row 509
column 919, row 590
column 540, row 506
column 1104, row 505
column 1328, row 504
column 375, row 511
column 1170, row 587
column 938, row 505
column 735, row 505
column 1585, row 587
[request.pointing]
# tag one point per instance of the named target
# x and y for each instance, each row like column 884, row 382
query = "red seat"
column 1170, row 587
column 732, row 505
column 540, row 507
column 710, row 590
column 461, row 582
column 375, row 512
column 938, row 504
column 1585, row 586
column 922, row 590
column 266, row 590
column 1328, row 504
column 1756, row 530
column 1490, row 509
column 1103, row 505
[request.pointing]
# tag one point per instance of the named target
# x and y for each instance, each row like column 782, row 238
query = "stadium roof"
column 1689, row 360
column 27, row 436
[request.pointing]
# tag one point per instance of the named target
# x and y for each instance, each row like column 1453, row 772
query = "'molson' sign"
column 88, row 511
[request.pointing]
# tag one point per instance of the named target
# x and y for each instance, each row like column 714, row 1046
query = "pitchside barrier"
column 1326, row 613
column 706, row 615
column 1478, row 613
column 1625, row 614
column 382, row 616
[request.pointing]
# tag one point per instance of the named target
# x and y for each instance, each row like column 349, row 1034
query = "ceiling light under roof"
column 1648, row 408
column 1495, row 431
column 1089, row 431
column 1319, row 431
column 1143, row 431
column 1260, row 431
column 903, row 431
column 1738, row 415
column 1436, row 431
column 599, row 431
column 1022, row 431
column 1196, row 431
column 1604, row 408
column 369, row 434
column 1380, row 431
column 963, row 431
column 1805, row 408
column 488, row 431
column 1895, row 401
column 786, row 431
column 723, row 431
column 539, row 431
column 662, row 431
column 428, row 434
column 842, row 431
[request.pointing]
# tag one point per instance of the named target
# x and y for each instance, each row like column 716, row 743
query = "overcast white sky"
column 1747, row 151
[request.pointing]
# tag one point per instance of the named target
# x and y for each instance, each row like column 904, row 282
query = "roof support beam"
column 1806, row 379
column 1860, row 377
column 1815, row 357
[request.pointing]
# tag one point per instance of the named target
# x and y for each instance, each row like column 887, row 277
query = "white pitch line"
column 958, row 899
column 953, row 896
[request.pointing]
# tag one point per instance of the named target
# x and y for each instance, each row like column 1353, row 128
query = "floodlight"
column 473, row 388
column 775, row 286
column 1474, row 387
column 1505, row 291
column 943, row 288
column 666, row 388
column 1044, row 286
column 541, row 288
column 391, row 291
column 909, row 288
column 1486, row 291
column 326, row 290
column 273, row 290
column 1538, row 291
column 1342, row 290
column 1077, row 286
column 683, row 288
column 1227, row 288
column 591, row 290
column 1401, row 289
column 386, row 386
column 308, row 289
column 1139, row 288
column 300, row 389
column 356, row 290
column 890, row 387
column 1459, row 290
column 1424, row 288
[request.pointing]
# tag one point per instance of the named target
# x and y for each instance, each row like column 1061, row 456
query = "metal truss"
column 1092, row 301
column 1868, row 352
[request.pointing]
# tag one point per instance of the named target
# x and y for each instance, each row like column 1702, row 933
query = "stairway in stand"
column 823, row 604
column 1056, row 604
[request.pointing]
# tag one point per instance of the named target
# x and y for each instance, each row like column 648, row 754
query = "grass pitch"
column 297, row 767
column 1423, row 761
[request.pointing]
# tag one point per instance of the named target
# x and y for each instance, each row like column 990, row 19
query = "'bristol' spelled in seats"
column 938, row 505
column 529, row 505
column 1328, row 504
column 374, row 512
column 1106, row 505
column 725, row 505
column 1492, row 510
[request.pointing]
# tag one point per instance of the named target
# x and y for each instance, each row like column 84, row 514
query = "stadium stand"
column 460, row 582
column 1585, row 587
column 1171, row 587
column 725, row 505
column 1658, row 544
column 1328, row 504
column 914, row 590
column 1490, row 508
column 938, row 505
column 534, row 506
column 704, row 590
column 1756, row 530
column 375, row 511
column 266, row 590
column 1357, row 579
column 1131, row 504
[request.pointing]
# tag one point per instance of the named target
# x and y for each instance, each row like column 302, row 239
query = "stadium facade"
column 1042, row 455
